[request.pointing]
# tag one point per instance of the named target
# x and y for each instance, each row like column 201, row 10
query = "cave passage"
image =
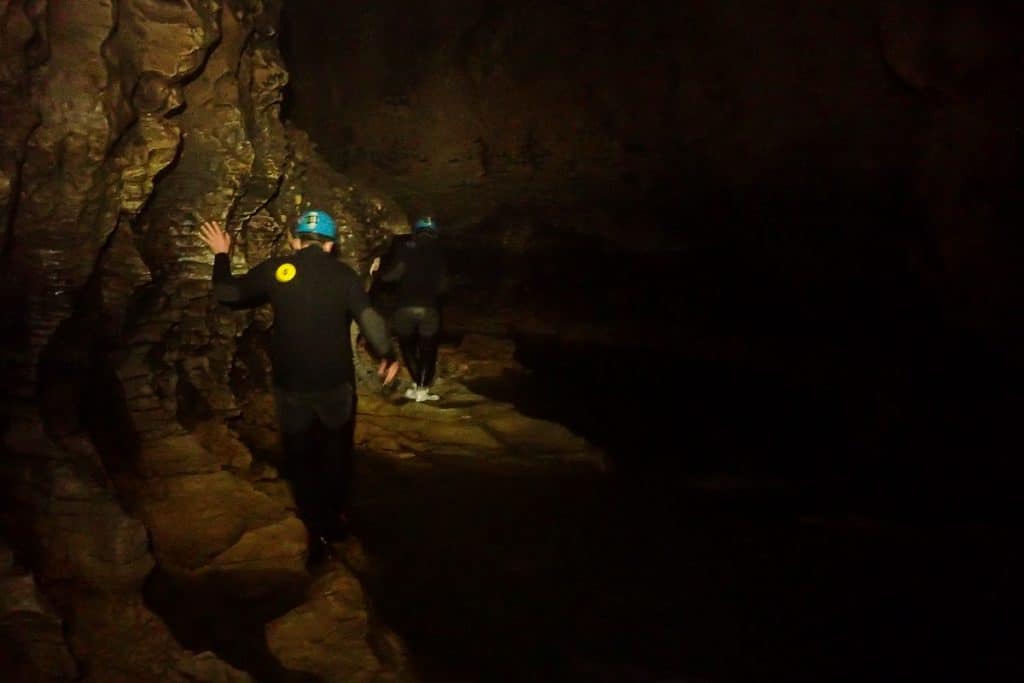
column 731, row 363
column 767, row 519
column 737, row 253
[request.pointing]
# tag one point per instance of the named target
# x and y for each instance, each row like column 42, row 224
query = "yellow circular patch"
column 285, row 272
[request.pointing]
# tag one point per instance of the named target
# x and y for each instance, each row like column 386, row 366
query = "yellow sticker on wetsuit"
column 285, row 272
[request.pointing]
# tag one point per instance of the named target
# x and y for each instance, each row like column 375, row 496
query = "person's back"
column 417, row 264
column 315, row 297
column 422, row 279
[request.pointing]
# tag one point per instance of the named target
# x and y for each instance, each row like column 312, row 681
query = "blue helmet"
column 425, row 223
column 317, row 224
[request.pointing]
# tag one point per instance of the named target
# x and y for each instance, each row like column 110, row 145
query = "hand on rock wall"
column 215, row 237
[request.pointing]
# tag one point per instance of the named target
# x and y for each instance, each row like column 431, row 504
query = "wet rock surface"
column 31, row 631
column 154, row 539
column 92, row 558
column 124, row 125
column 329, row 635
column 466, row 424
column 460, row 423
column 124, row 640
column 208, row 522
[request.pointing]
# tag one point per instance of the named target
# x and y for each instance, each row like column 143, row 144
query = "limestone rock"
column 259, row 422
column 206, row 667
column 80, row 531
column 31, row 627
column 124, row 125
column 124, row 642
column 217, row 439
column 464, row 423
column 86, row 544
column 208, row 522
column 327, row 635
column 533, row 435
column 176, row 456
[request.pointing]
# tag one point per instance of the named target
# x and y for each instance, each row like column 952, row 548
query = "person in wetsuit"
column 315, row 298
column 417, row 264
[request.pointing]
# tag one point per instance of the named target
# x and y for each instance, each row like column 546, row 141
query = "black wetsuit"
column 315, row 297
column 417, row 263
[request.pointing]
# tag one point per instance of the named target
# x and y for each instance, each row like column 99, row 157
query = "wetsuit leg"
column 429, row 328
column 410, row 355
column 337, row 411
column 301, row 463
column 405, row 323
column 338, row 447
column 428, row 351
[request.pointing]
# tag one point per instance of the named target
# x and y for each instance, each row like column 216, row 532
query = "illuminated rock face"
column 123, row 125
column 134, row 121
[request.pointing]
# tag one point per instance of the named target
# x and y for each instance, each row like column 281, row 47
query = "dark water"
column 492, row 574
column 817, row 484
column 909, row 438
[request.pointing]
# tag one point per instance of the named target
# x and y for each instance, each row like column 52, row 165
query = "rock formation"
column 125, row 124
column 134, row 405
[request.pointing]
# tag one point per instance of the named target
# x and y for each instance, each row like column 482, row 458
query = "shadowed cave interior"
column 730, row 365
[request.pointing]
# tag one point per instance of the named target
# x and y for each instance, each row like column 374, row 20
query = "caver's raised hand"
column 215, row 237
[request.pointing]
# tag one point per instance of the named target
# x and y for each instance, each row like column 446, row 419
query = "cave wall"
column 806, row 139
column 124, row 124
column 964, row 60
column 613, row 96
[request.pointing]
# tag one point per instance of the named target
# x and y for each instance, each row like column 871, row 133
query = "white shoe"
column 413, row 392
column 423, row 394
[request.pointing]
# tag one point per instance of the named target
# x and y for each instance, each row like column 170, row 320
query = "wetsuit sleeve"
column 371, row 323
column 245, row 290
